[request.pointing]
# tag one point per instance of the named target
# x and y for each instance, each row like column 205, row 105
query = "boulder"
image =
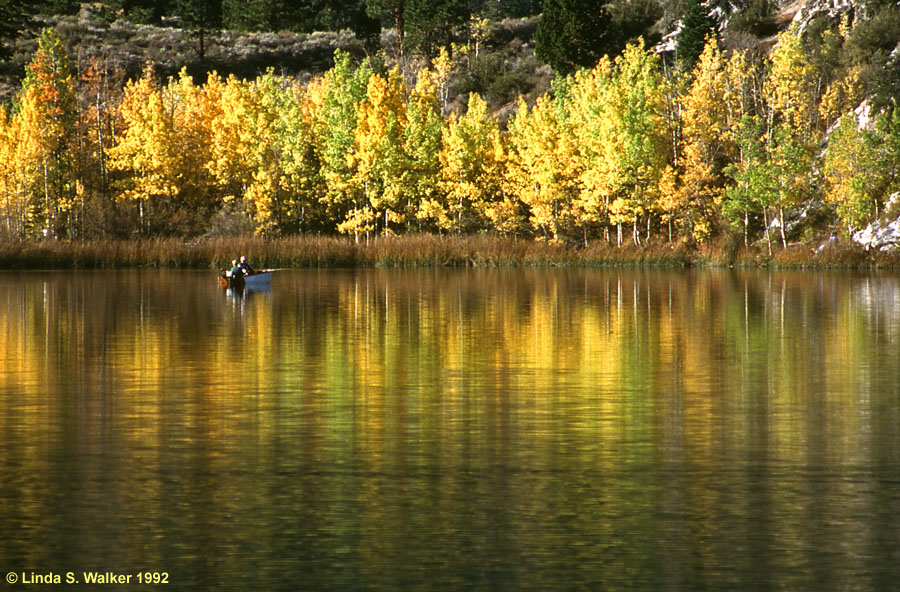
column 882, row 234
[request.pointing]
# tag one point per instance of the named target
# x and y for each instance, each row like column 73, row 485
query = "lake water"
column 453, row 430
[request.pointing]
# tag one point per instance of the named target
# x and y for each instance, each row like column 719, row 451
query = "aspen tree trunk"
column 103, row 174
column 746, row 225
column 783, row 237
column 47, row 198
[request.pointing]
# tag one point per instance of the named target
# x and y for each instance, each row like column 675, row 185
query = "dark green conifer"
column 574, row 33
column 696, row 26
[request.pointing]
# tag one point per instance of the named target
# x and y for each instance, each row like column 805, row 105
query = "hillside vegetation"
column 770, row 129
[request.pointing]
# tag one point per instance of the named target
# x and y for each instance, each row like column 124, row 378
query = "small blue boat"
column 259, row 280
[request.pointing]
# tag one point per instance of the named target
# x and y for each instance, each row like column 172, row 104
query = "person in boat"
column 226, row 272
column 245, row 266
column 236, row 270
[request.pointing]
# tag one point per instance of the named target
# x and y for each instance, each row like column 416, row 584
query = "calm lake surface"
column 453, row 430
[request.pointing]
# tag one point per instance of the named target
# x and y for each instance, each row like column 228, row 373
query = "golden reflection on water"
column 465, row 428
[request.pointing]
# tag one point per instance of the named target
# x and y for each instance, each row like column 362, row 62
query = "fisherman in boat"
column 236, row 270
column 245, row 266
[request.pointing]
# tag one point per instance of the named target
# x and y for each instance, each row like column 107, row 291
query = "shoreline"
column 313, row 251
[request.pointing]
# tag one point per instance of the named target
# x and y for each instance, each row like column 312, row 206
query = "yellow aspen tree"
column 267, row 188
column 471, row 159
column 194, row 113
column 422, row 143
column 285, row 187
column 748, row 188
column 862, row 167
column 443, row 67
column 849, row 173
column 707, row 146
column 47, row 127
column 594, row 132
column 791, row 131
column 335, row 98
column 540, row 169
column 300, row 163
column 379, row 160
column 230, row 164
column 12, row 184
column 144, row 155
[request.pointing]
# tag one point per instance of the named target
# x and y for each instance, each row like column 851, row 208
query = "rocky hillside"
column 507, row 68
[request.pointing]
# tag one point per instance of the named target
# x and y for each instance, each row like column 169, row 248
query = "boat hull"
column 256, row 281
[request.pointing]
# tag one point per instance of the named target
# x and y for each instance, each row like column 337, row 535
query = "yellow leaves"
column 711, row 106
column 789, row 84
column 143, row 146
column 360, row 152
column 543, row 165
column 842, row 95
column 379, row 160
column 228, row 106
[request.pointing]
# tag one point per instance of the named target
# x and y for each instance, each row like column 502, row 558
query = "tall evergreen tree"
column 390, row 13
column 200, row 17
column 696, row 25
column 430, row 23
column 250, row 15
column 574, row 33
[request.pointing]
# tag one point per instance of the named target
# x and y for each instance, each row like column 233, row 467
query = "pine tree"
column 391, row 14
column 574, row 34
column 200, row 17
column 430, row 23
column 14, row 14
column 696, row 27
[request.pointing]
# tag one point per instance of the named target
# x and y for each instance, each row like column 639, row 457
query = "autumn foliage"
column 626, row 151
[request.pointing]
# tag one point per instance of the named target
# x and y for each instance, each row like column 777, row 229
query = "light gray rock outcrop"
column 883, row 234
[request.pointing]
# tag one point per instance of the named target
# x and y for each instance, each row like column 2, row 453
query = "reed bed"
column 425, row 250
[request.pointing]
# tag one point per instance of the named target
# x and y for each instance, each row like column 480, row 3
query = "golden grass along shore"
column 411, row 250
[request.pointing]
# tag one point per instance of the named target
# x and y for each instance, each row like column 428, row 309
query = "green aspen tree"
column 336, row 97
column 642, row 150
